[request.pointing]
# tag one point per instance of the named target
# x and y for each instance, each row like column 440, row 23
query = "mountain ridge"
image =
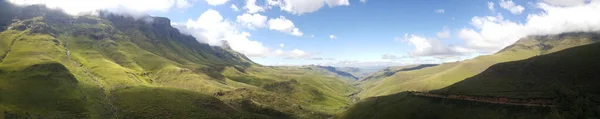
column 107, row 65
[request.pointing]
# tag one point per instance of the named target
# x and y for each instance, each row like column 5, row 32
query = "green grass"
column 57, row 66
column 568, row 77
column 405, row 106
column 148, row 102
column 443, row 75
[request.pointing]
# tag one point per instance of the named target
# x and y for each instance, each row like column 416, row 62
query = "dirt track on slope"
column 494, row 100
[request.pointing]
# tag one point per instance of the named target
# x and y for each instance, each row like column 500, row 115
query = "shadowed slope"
column 449, row 73
column 568, row 77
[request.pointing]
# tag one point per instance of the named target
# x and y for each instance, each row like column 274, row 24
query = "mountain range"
column 106, row 65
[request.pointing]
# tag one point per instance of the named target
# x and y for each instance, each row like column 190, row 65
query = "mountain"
column 558, row 83
column 53, row 65
column 389, row 71
column 334, row 71
column 446, row 74
column 360, row 72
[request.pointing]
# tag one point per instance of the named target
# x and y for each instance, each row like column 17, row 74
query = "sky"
column 356, row 32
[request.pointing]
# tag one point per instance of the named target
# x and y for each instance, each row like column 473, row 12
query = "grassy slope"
column 573, row 69
column 405, row 106
column 568, row 76
column 446, row 74
column 102, row 66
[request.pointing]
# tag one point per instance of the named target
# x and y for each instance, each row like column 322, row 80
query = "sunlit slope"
column 568, row 77
column 109, row 66
column 446, row 74
column 570, row 70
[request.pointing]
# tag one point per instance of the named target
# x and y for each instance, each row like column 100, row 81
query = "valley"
column 108, row 66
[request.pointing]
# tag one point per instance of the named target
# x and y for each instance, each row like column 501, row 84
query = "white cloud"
column 429, row 47
column 491, row 6
column 251, row 7
column 182, row 4
column 279, row 52
column 493, row 33
column 282, row 45
column 445, row 33
column 332, row 37
column 305, row 6
column 298, row 54
column 439, row 11
column 284, row 25
column 312, row 35
column 390, row 57
column 363, row 1
column 234, row 7
column 252, row 21
column 216, row 2
column 511, row 6
column 76, row 7
column 565, row 2
column 211, row 28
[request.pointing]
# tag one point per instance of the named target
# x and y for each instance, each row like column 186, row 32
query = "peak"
column 161, row 21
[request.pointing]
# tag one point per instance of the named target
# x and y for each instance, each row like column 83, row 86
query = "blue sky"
column 364, row 31
column 373, row 32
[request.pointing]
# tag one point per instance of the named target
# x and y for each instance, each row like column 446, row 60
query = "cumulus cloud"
column 251, row 7
column 430, row 47
column 332, row 37
column 252, row 21
column 77, row 7
column 216, row 2
column 298, row 54
column 445, row 33
column 565, row 2
column 439, row 11
column 305, row 6
column 511, row 6
column 211, row 28
column 294, row 54
column 491, row 6
column 234, row 7
column 284, row 25
column 363, row 1
column 281, row 45
column 493, row 33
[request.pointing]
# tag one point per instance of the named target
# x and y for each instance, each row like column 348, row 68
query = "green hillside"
column 360, row 72
column 53, row 65
column 567, row 77
column 443, row 75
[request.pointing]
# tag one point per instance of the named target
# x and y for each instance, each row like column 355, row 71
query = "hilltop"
column 565, row 76
column 54, row 65
column 446, row 74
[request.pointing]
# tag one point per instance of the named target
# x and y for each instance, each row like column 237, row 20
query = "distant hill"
column 567, row 76
column 53, row 65
column 389, row 71
column 360, row 72
column 446, row 74
column 332, row 71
